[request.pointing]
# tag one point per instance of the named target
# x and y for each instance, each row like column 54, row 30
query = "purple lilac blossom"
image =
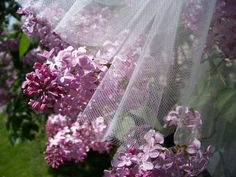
column 56, row 123
column 188, row 122
column 152, row 159
column 7, row 44
column 79, row 74
column 8, row 72
column 64, row 82
column 42, row 85
column 184, row 116
column 165, row 163
column 223, row 28
column 35, row 27
column 222, row 31
column 73, row 143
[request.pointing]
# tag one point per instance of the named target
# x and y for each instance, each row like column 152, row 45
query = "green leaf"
column 229, row 114
column 24, row 45
column 226, row 104
column 125, row 125
column 143, row 113
column 202, row 94
column 225, row 97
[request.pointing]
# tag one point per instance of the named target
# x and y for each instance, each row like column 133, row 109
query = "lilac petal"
column 147, row 166
column 159, row 138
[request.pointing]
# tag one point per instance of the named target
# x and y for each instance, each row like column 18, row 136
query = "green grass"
column 24, row 159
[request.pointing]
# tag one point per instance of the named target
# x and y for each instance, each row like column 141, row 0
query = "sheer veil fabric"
column 156, row 63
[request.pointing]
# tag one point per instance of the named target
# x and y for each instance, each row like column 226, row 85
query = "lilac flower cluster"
column 72, row 143
column 33, row 26
column 188, row 122
column 223, row 28
column 56, row 123
column 222, row 32
column 191, row 14
column 185, row 116
column 43, row 86
column 152, row 159
column 64, row 82
column 88, row 24
column 117, row 78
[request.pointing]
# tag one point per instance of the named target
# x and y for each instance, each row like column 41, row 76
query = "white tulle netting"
column 88, row 22
column 156, row 61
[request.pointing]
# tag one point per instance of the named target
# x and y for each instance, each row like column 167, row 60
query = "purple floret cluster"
column 153, row 158
column 35, row 27
column 222, row 31
column 64, row 82
column 72, row 143
column 223, row 28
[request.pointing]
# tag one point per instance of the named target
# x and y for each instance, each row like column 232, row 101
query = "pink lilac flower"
column 198, row 158
column 222, row 30
column 152, row 159
column 117, row 77
column 35, row 27
column 185, row 116
column 123, row 159
column 88, row 24
column 65, row 82
column 192, row 13
column 43, row 86
column 79, row 74
column 73, row 143
column 168, row 164
column 144, row 163
column 99, row 127
column 56, row 123
column 188, row 122
column 194, row 146
column 153, row 136
column 66, row 145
